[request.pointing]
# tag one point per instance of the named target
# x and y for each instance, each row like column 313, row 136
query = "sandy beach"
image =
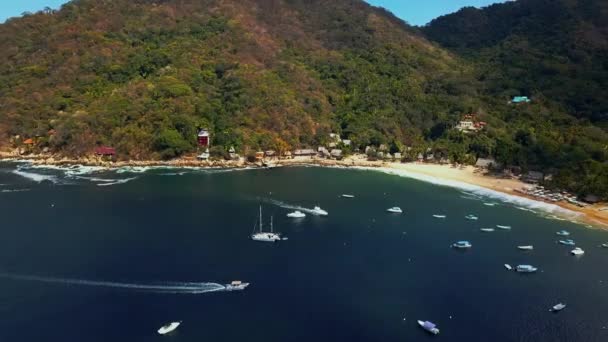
column 592, row 215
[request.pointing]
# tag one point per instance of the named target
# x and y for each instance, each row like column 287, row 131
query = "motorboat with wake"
column 296, row 214
column 236, row 285
column 605, row 245
column 439, row 216
column 563, row 233
column 348, row 196
column 318, row 211
column 395, row 210
column 471, row 217
column 567, row 242
column 263, row 236
column 503, row 227
column 487, row 230
column 167, row 328
column 462, row 245
column 429, row 326
column 526, row 248
column 508, row 267
column 526, row 269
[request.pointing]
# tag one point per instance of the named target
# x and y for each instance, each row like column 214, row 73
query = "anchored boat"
column 265, row 236
column 296, row 214
column 525, row 248
column 462, row 245
column 395, row 210
column 526, row 269
column 429, row 326
column 577, row 251
column 558, row 307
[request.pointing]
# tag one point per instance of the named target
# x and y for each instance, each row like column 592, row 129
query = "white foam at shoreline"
column 35, row 177
column 117, row 181
column 517, row 201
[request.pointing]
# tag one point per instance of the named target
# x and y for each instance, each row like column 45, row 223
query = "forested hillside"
column 143, row 75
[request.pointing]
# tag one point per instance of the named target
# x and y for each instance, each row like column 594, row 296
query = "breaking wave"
column 108, row 182
column 36, row 177
column 477, row 192
column 177, row 288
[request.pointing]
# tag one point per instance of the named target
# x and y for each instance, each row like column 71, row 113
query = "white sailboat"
column 265, row 236
column 165, row 329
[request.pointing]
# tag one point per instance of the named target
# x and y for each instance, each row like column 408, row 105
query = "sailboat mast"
column 260, row 219
column 271, row 224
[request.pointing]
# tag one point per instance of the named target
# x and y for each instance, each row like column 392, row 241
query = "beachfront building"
column 105, row 151
column 398, row 156
column 533, row 177
column 204, row 138
column 304, row 153
column 336, row 153
column 259, row 155
column 486, row 163
column 232, row 153
column 287, row 155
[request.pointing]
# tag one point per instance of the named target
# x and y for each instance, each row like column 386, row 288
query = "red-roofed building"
column 105, row 151
column 29, row 141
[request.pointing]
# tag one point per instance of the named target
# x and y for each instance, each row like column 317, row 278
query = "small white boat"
column 318, row 211
column 489, row 204
column 439, row 216
column 526, row 269
column 577, row 251
column 165, row 329
column 558, row 307
column 296, row 214
column 395, row 210
column 605, row 245
column 236, row 285
column 568, row 242
column 471, row 217
column 348, row 196
column 429, row 326
column 563, row 233
column 525, row 248
column 487, row 230
column 507, row 266
column 462, row 245
column 503, row 227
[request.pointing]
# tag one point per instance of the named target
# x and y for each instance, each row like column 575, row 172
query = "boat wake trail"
column 289, row 206
column 177, row 288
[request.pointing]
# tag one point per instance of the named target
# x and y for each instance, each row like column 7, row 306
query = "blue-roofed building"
column 520, row 99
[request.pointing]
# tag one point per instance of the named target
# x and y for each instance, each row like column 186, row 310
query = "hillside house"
column 520, row 99
column 304, row 153
column 204, row 138
column 105, row 151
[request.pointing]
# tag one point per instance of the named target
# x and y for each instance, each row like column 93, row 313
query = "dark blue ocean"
column 78, row 248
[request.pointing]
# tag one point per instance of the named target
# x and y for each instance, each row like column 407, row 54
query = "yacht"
column 525, row 248
column 509, row 267
column 296, row 214
column 526, row 269
column 462, row 244
column 265, row 236
column 605, row 245
column 471, row 217
column 558, row 307
column 487, row 230
column 563, row 233
column 439, row 216
column 348, row 196
column 568, row 242
column 429, row 326
column 577, row 251
column 318, row 211
column 167, row 328
column 236, row 285
column 395, row 210
column 503, row 227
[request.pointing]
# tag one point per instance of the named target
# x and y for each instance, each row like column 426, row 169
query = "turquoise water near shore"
column 359, row 274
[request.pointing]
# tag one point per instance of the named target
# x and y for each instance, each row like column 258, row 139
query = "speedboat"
column 605, row 245
column 487, row 230
column 236, row 285
column 395, row 210
column 558, row 307
column 318, row 211
column 525, row 248
column 296, row 214
column 507, row 266
column 167, row 328
column 462, row 244
column 526, row 269
column 471, row 217
column 577, row 251
column 429, row 326
column 567, row 242
column 439, row 216
column 348, row 196
column 563, row 233
column 503, row 227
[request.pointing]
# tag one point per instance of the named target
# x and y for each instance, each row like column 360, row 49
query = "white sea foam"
column 477, row 191
column 36, row 177
column 178, row 288
column 290, row 206
column 70, row 171
column 13, row 190
column 117, row 181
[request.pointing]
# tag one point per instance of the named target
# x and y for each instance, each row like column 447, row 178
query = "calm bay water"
column 359, row 274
